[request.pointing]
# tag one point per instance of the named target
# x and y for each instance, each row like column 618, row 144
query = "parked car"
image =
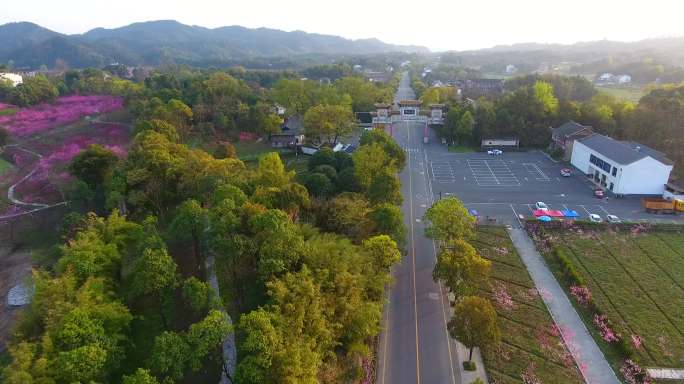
column 595, row 218
column 566, row 172
column 495, row 152
column 613, row 219
column 540, row 205
column 599, row 193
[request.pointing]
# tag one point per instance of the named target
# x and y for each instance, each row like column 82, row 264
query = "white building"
column 622, row 167
column 12, row 77
column 510, row 69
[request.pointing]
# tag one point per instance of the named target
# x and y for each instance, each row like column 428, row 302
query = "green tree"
column 347, row 214
column 271, row 171
column 34, row 90
column 448, row 220
column 206, row 336
column 388, row 219
column 464, row 130
column 160, row 126
column 188, row 226
column 198, row 294
column 154, row 273
column 461, row 268
column 169, row 356
column 385, row 188
column 324, row 156
column 318, row 184
column 388, row 144
column 140, row 376
column 93, row 165
column 262, row 344
column 328, row 123
column 371, row 160
column 474, row 324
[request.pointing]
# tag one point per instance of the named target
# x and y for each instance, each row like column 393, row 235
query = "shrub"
column 469, row 365
column 568, row 268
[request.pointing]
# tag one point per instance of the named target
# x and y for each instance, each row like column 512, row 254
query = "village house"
column 563, row 137
column 291, row 134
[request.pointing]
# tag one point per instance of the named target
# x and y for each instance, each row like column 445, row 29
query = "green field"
column 5, row 166
column 637, row 280
column 625, row 93
column 8, row 111
column 530, row 341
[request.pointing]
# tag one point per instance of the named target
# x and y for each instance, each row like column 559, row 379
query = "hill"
column 164, row 41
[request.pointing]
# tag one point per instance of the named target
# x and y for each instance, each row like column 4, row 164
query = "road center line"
column 413, row 259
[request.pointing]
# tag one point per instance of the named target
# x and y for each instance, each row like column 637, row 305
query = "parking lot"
column 505, row 186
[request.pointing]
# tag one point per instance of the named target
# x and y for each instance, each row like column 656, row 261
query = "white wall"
column 580, row 157
column 13, row 77
column 644, row 177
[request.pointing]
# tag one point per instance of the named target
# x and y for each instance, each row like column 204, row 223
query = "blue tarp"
column 474, row 213
column 544, row 218
column 570, row 213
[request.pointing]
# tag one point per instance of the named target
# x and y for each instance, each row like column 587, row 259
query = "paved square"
column 492, row 173
column 506, row 186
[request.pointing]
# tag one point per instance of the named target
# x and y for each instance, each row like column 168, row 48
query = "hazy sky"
column 437, row 24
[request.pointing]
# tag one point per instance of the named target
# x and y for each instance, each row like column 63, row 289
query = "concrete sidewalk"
column 582, row 346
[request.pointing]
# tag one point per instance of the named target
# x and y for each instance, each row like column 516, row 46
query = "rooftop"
column 292, row 126
column 409, row 102
column 569, row 128
column 624, row 152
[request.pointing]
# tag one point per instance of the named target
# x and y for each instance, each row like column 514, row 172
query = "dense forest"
column 302, row 255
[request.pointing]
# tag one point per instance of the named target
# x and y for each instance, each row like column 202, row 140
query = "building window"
column 592, row 159
column 606, row 166
column 611, row 186
column 614, row 171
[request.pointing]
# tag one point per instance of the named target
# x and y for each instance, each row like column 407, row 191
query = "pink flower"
column 502, row 298
column 65, row 110
column 634, row 374
column 607, row 333
column 529, row 375
column 637, row 341
column 581, row 293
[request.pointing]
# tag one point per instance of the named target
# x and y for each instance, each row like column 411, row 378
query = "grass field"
column 637, row 280
column 626, row 93
column 530, row 341
column 4, row 166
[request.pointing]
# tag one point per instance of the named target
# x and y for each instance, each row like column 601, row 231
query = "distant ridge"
column 155, row 42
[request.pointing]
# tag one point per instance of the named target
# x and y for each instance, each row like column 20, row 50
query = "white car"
column 613, row 219
column 541, row 206
column 595, row 218
column 495, row 152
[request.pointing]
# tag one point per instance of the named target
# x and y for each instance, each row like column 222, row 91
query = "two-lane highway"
column 414, row 345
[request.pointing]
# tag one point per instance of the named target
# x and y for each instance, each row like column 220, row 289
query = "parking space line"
column 585, row 209
column 601, row 208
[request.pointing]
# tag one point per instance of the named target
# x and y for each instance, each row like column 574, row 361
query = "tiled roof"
column 622, row 152
column 569, row 128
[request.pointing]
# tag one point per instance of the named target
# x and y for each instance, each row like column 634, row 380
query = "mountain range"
column 28, row 45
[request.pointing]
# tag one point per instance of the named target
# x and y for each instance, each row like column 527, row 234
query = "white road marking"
column 601, row 208
column 585, row 209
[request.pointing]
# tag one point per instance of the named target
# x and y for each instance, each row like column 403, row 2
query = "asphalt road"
column 414, row 345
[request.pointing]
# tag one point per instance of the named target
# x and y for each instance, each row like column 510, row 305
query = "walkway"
column 588, row 356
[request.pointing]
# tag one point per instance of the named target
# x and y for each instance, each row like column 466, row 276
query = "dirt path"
column 34, row 207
